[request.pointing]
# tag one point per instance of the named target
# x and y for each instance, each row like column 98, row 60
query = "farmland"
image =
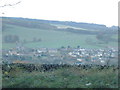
column 53, row 54
column 53, row 38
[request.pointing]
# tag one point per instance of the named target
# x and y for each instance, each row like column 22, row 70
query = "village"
column 61, row 56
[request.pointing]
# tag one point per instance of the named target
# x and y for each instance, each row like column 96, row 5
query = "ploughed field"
column 59, row 76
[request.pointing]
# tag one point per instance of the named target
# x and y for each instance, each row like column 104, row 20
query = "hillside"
column 35, row 33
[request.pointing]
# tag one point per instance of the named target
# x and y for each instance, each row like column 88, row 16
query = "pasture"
column 52, row 38
column 63, row 76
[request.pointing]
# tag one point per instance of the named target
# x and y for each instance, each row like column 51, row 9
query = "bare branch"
column 10, row 4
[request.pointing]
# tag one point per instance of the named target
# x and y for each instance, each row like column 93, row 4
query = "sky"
column 89, row 11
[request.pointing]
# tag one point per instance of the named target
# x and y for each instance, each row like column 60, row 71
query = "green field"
column 52, row 38
column 27, row 76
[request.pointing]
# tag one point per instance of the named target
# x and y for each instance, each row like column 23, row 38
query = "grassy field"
column 72, row 77
column 52, row 38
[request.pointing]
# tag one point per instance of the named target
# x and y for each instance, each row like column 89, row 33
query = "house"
column 79, row 60
column 52, row 50
column 42, row 50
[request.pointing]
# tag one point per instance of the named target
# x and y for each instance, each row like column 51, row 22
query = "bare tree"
column 10, row 4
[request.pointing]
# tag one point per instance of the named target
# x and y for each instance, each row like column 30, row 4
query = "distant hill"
column 36, row 33
column 38, row 23
column 27, row 23
column 74, row 27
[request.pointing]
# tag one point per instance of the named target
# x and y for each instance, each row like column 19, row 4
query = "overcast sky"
column 90, row 11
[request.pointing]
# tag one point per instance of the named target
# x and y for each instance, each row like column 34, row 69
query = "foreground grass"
column 72, row 77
